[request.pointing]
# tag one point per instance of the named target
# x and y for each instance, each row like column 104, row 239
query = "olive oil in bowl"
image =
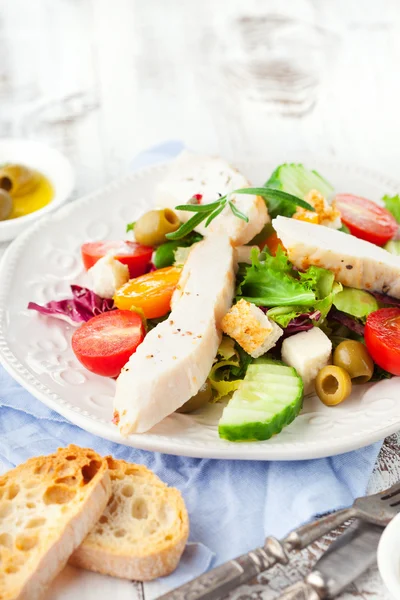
column 28, row 189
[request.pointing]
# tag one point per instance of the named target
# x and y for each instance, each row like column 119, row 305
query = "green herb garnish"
column 208, row 212
column 130, row 227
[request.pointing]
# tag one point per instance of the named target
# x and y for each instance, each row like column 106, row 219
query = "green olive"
column 153, row 226
column 200, row 399
column 354, row 358
column 333, row 385
column 18, row 180
column 6, row 205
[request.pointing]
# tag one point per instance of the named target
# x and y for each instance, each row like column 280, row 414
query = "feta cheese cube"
column 108, row 274
column 308, row 352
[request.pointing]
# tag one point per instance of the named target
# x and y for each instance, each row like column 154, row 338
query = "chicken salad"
column 253, row 297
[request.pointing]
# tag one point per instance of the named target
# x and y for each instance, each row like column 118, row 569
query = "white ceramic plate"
column 42, row 263
column 389, row 557
column 48, row 161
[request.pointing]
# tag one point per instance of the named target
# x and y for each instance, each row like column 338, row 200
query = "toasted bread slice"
column 143, row 531
column 47, row 507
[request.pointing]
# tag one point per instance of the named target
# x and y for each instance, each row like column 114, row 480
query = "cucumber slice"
column 297, row 180
column 268, row 399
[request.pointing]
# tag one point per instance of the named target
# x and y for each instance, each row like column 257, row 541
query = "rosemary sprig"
column 273, row 194
column 208, row 212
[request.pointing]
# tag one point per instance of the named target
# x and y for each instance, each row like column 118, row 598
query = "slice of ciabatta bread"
column 47, row 507
column 142, row 532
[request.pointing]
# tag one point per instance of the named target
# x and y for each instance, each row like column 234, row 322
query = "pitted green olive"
column 18, row 180
column 153, row 226
column 6, row 205
column 354, row 358
column 333, row 385
column 202, row 397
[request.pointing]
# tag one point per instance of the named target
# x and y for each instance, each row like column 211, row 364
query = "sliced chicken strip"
column 354, row 262
column 191, row 174
column 175, row 358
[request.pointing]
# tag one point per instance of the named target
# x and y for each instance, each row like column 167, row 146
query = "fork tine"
column 393, row 491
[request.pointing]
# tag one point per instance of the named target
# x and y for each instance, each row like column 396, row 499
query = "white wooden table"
column 102, row 80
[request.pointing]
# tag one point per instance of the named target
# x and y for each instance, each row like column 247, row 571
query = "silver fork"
column 378, row 509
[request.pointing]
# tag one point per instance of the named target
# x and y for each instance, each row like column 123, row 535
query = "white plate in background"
column 41, row 264
column 49, row 162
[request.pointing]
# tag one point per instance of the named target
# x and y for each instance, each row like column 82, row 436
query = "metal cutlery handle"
column 307, row 534
column 218, row 582
column 300, row 591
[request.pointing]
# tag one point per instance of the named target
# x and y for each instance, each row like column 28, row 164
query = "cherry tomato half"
column 104, row 344
column 134, row 255
column 366, row 220
column 151, row 292
column 382, row 337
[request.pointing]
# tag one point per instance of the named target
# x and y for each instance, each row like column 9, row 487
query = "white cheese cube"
column 251, row 328
column 308, row 352
column 108, row 274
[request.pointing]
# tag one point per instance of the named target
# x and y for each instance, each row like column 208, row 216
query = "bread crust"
column 157, row 554
column 70, row 489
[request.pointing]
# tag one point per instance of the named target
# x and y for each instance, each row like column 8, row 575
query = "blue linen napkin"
column 232, row 505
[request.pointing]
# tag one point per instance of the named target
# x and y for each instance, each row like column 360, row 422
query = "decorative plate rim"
column 286, row 450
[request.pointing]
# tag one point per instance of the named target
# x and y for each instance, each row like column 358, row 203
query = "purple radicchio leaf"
column 83, row 305
column 303, row 322
column 347, row 320
column 385, row 299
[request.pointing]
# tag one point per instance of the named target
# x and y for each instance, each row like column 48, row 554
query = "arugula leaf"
column 244, row 361
column 379, row 374
column 392, row 204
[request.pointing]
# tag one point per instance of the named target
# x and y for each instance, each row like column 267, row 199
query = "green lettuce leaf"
column 393, row 246
column 226, row 375
column 227, row 349
column 357, row 303
column 219, row 378
column 282, row 315
column 392, row 204
column 273, row 282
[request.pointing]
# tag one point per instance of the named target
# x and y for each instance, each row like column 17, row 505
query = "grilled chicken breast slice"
column 175, row 358
column 211, row 177
column 355, row 263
